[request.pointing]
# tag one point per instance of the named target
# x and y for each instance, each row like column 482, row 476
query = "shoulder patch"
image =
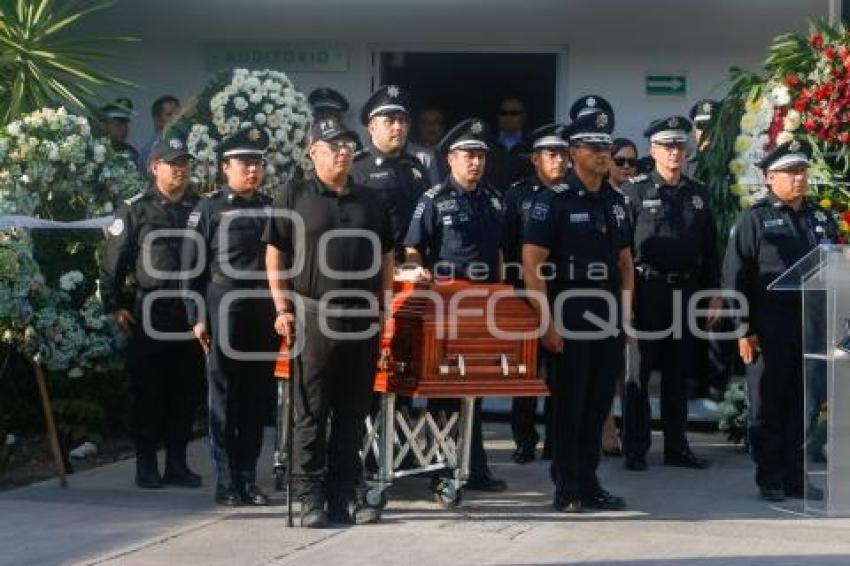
column 433, row 191
column 639, row 178
column 193, row 219
column 540, row 211
column 560, row 188
column 116, row 228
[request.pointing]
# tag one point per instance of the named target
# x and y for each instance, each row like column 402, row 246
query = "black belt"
column 230, row 283
column 648, row 273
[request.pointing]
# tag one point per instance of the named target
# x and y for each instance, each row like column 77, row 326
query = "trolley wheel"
column 447, row 495
column 280, row 478
column 376, row 498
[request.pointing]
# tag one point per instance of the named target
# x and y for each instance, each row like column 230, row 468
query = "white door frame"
column 561, row 52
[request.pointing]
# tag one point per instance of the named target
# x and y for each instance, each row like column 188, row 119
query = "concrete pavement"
column 675, row 517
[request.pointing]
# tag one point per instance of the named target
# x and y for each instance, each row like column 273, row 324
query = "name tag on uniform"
column 579, row 217
column 447, row 220
column 379, row 175
column 652, row 203
column 540, row 211
column 774, row 222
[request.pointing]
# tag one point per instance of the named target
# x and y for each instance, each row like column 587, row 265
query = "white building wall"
column 610, row 45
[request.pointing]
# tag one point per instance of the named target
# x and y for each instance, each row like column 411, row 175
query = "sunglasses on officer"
column 625, row 161
column 338, row 145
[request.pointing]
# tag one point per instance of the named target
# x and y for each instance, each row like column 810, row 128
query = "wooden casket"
column 457, row 339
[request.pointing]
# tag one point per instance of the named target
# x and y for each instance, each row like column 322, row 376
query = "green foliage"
column 42, row 62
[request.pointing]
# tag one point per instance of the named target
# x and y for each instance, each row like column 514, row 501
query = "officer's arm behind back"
column 118, row 258
column 196, row 250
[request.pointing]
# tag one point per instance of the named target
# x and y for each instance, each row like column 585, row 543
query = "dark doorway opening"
column 473, row 84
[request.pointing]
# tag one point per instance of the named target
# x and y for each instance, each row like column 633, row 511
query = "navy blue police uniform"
column 166, row 376
column 230, row 261
column 675, row 255
column 458, row 234
column 585, row 232
column 767, row 239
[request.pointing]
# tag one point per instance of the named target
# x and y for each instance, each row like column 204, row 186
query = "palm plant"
column 43, row 62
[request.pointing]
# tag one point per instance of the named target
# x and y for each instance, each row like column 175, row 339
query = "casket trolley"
column 455, row 340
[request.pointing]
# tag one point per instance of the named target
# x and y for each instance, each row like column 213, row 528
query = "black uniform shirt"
column 457, row 227
column 518, row 202
column 324, row 210
column 673, row 227
column 131, row 237
column 767, row 240
column 231, row 227
column 400, row 181
column 584, row 231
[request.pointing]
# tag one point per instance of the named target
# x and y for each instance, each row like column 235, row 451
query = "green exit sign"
column 666, row 85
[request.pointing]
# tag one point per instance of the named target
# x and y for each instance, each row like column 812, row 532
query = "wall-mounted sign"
column 277, row 56
column 666, row 85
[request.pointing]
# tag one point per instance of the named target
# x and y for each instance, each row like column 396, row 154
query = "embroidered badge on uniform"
column 497, row 204
column 540, row 211
column 697, row 202
column 193, row 220
column 447, row 220
column 653, row 203
column 116, row 228
column 579, row 217
column 774, row 222
column 820, row 216
column 619, row 214
column 416, row 173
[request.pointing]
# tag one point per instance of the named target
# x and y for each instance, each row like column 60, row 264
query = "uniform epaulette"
column 519, row 183
column 135, row 198
column 638, row 178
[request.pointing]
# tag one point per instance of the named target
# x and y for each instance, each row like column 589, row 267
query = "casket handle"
column 461, row 365
column 506, row 369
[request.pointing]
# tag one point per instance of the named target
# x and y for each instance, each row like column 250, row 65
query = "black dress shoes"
column 685, row 459
column 181, row 476
column 228, row 496
column 568, row 504
column 485, row 482
column 523, row 455
column 147, row 474
column 353, row 514
column 603, row 500
column 808, row 492
column 635, row 463
column 251, row 495
column 313, row 515
column 772, row 494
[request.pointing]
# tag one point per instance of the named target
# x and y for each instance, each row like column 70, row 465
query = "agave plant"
column 43, row 62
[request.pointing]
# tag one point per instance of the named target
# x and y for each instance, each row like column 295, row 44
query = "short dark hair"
column 156, row 107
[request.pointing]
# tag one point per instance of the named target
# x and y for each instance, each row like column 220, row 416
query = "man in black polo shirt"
column 335, row 296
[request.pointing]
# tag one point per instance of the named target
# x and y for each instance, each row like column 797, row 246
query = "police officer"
column 768, row 239
column 335, row 374
column 701, row 114
column 549, row 157
column 327, row 104
column 235, row 330
column 166, row 374
column 675, row 255
column 579, row 227
column 456, row 233
column 398, row 176
column 115, row 122
column 590, row 104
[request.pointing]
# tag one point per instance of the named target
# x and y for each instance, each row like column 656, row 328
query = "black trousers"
column 775, row 384
column 239, row 389
column 524, row 414
column 333, row 391
column 166, row 384
column 654, row 312
column 582, row 392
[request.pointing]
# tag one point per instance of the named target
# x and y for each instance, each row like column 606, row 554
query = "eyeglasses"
column 510, row 112
column 338, row 145
column 248, row 163
column 625, row 162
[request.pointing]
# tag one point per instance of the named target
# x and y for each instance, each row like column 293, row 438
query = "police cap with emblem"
column 674, row 129
column 386, row 100
column 330, row 129
column 468, row 134
column 327, row 99
column 790, row 154
column 168, row 148
column 550, row 136
column 702, row 111
column 590, row 104
column 119, row 111
column 591, row 129
column 248, row 143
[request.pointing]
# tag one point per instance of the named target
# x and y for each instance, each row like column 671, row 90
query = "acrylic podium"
column 823, row 278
